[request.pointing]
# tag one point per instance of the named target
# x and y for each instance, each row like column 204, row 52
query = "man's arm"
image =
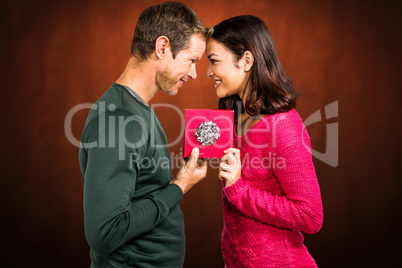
column 111, row 218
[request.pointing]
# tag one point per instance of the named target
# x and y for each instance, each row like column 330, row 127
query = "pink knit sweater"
column 276, row 198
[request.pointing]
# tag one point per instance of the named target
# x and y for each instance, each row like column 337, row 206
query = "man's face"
column 179, row 70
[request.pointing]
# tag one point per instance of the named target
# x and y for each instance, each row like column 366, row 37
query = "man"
column 131, row 202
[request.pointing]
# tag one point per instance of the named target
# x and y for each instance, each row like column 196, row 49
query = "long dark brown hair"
column 270, row 89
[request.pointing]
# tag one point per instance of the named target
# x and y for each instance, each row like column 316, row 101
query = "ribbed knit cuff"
column 235, row 188
column 172, row 195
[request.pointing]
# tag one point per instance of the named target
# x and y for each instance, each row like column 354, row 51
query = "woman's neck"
column 245, row 122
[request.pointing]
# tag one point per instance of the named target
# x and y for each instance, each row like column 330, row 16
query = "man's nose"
column 193, row 72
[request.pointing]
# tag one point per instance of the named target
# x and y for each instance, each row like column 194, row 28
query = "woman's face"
column 229, row 76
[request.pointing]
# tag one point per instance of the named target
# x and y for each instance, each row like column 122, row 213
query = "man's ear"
column 248, row 60
column 162, row 45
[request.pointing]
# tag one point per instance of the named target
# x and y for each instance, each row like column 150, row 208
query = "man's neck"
column 140, row 77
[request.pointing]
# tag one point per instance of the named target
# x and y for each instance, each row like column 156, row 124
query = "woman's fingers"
column 232, row 155
column 228, row 158
column 232, row 150
column 224, row 166
column 223, row 175
column 230, row 166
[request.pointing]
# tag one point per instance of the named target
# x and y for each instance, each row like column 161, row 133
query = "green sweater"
column 132, row 214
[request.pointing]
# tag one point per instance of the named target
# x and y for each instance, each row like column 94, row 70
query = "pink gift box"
column 223, row 120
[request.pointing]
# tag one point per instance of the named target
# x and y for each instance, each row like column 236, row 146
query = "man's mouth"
column 182, row 82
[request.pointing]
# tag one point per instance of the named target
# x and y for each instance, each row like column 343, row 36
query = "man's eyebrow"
column 210, row 55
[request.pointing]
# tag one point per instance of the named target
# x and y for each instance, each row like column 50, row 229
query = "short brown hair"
column 271, row 90
column 174, row 20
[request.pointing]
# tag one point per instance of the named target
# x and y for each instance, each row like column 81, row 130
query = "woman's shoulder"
column 270, row 122
column 291, row 117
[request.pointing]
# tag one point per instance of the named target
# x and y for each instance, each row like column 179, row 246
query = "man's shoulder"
column 117, row 100
column 110, row 98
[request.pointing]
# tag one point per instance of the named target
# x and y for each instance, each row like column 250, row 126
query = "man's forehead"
column 197, row 40
column 196, row 46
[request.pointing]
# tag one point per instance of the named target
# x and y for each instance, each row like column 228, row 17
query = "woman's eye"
column 212, row 61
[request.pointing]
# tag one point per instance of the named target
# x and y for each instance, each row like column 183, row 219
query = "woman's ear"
column 162, row 46
column 248, row 59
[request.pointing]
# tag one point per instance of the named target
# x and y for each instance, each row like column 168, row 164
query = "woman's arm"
column 300, row 207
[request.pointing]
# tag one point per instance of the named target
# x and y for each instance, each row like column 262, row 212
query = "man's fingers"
column 202, row 163
column 181, row 158
column 192, row 163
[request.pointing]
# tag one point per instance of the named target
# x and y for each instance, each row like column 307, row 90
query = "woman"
column 270, row 190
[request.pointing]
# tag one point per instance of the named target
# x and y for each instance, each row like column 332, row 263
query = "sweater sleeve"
column 111, row 216
column 300, row 207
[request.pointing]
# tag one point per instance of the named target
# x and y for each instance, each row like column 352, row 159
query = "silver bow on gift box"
column 207, row 133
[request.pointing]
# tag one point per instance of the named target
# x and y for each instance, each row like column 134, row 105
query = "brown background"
column 58, row 54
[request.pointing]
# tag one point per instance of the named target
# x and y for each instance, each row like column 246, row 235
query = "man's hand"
column 191, row 172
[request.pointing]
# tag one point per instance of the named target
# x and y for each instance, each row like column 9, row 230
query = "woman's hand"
column 230, row 167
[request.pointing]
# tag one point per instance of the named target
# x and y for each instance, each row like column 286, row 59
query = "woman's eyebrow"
column 210, row 55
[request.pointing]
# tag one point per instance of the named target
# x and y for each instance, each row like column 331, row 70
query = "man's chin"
column 172, row 92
